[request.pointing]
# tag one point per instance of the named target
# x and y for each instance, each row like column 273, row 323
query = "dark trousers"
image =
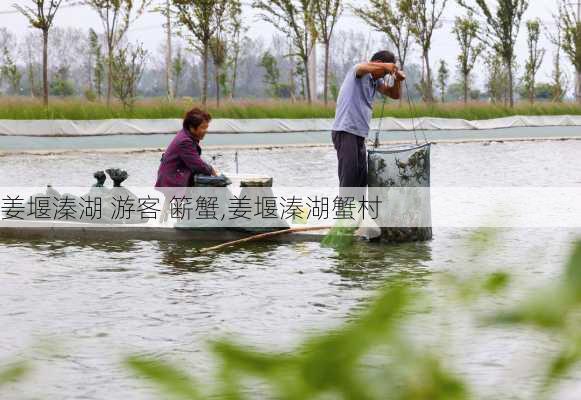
column 352, row 157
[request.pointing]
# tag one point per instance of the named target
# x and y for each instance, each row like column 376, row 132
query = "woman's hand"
column 214, row 172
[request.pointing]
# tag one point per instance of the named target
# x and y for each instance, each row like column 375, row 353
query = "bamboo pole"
column 263, row 236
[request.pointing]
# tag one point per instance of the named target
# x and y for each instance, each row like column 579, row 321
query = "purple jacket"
column 180, row 161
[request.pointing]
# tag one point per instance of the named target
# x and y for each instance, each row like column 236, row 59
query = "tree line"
column 215, row 30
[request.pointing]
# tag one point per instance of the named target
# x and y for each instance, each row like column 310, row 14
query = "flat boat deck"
column 74, row 230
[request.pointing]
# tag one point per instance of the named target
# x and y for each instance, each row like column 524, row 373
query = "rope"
column 376, row 142
column 413, row 110
column 413, row 113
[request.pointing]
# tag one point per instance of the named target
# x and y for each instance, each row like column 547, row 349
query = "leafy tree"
column 127, row 66
column 272, row 73
column 237, row 31
column 164, row 8
column 384, row 16
column 202, row 19
column 559, row 79
column 424, row 18
column 498, row 79
column 466, row 32
column 41, row 16
column 98, row 67
column 11, row 72
column 219, row 56
column 31, row 47
column 327, row 13
column 544, row 91
column 535, row 58
column 443, row 76
column 178, row 68
column 60, row 87
column 116, row 17
column 571, row 25
column 61, row 84
column 296, row 20
column 501, row 30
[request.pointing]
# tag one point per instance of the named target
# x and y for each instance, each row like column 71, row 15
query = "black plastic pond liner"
column 400, row 168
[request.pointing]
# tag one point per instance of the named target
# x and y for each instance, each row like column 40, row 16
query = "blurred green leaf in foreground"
column 556, row 309
column 13, row 373
column 338, row 364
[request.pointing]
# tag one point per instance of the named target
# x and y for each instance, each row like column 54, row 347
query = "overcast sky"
column 149, row 30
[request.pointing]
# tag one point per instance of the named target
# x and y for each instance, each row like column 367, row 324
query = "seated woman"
column 182, row 159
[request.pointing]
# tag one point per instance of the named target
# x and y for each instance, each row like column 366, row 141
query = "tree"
column 296, row 20
column 559, row 79
column 61, row 85
column 127, row 66
column 544, row 91
column 497, row 80
column 11, row 72
column 466, row 32
column 68, row 46
column 535, row 58
column 164, row 8
column 178, row 68
column 237, row 32
column 272, row 73
column 326, row 14
column 384, row 16
column 41, row 16
column 571, row 25
column 99, row 67
column 202, row 19
column 30, row 50
column 501, row 30
column 443, row 76
column 219, row 56
column 116, row 17
column 424, row 18
column 169, row 52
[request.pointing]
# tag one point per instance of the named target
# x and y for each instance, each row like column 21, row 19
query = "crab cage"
column 400, row 177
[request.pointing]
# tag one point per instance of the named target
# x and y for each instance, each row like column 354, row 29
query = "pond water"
column 76, row 308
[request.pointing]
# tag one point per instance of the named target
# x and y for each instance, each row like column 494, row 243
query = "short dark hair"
column 384, row 56
column 194, row 118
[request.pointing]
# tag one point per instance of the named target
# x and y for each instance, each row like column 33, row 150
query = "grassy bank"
column 75, row 109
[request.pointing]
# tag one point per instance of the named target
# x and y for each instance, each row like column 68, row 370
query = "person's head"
column 196, row 123
column 383, row 56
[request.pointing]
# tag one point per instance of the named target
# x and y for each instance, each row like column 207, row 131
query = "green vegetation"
column 329, row 365
column 13, row 373
column 373, row 357
column 18, row 108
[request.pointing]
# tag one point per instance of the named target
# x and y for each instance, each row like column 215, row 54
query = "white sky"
column 149, row 30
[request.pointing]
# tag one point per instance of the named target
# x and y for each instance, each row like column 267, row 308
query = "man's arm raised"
column 377, row 69
column 393, row 92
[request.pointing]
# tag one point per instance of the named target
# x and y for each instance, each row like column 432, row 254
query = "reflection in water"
column 61, row 248
column 182, row 257
column 369, row 264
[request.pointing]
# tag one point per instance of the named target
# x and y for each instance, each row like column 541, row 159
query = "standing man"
column 354, row 111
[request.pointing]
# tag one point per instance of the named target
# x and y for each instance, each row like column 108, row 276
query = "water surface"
column 91, row 303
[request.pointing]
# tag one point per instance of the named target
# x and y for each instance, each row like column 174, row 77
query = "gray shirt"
column 355, row 103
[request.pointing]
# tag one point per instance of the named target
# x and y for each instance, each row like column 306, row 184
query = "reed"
column 21, row 108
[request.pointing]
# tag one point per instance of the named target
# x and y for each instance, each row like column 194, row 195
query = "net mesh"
column 402, row 167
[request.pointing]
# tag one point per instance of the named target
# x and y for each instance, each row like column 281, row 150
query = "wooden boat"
column 58, row 230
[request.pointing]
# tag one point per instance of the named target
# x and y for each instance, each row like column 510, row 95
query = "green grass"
column 21, row 108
